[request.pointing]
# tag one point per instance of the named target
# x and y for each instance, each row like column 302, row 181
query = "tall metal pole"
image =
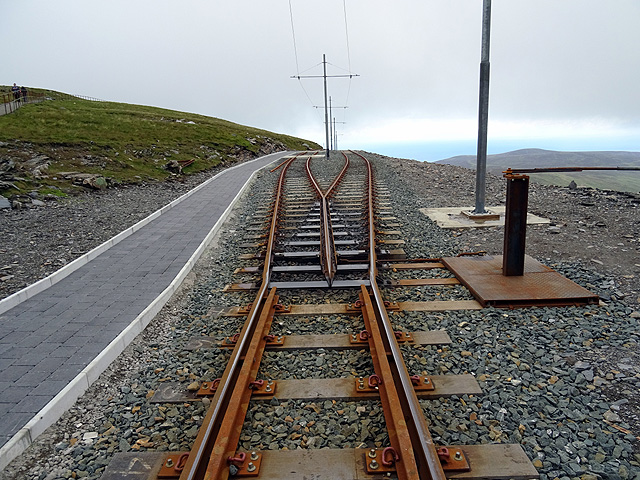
column 483, row 110
column 335, row 134
column 326, row 112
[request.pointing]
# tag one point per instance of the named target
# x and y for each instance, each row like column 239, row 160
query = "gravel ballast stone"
column 562, row 382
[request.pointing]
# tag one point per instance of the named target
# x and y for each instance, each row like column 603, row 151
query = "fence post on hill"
column 483, row 110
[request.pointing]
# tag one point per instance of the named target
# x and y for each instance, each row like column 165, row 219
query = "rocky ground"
column 598, row 229
column 565, row 382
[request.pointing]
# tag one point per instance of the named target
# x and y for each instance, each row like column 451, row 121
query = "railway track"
column 325, row 242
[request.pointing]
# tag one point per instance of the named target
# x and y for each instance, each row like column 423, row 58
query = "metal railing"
column 13, row 100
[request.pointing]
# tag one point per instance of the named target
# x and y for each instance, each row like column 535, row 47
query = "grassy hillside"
column 535, row 158
column 120, row 142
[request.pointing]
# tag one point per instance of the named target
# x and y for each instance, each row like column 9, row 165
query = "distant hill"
column 537, row 158
column 65, row 144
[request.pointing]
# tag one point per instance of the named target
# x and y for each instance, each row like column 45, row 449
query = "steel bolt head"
column 374, row 465
column 251, row 467
column 169, row 463
column 372, row 453
column 458, row 455
column 254, row 456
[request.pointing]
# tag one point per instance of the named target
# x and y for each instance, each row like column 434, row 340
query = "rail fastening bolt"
column 458, row 455
column 372, row 453
column 254, row 456
column 169, row 463
column 373, row 465
column 251, row 467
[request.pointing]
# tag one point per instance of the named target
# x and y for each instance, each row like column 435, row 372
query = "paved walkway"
column 51, row 338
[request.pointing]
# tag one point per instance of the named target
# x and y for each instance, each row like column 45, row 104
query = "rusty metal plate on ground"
column 134, row 466
column 539, row 286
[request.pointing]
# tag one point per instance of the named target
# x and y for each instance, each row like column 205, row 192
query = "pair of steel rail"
column 412, row 452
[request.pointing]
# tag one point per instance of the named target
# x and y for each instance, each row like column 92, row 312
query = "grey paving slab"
column 48, row 339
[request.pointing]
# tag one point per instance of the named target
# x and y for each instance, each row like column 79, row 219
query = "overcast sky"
column 560, row 69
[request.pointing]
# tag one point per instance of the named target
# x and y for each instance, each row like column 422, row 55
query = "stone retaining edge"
column 53, row 410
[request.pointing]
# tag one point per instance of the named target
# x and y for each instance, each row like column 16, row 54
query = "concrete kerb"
column 41, row 285
column 53, row 410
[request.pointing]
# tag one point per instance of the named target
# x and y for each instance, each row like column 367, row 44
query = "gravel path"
column 563, row 382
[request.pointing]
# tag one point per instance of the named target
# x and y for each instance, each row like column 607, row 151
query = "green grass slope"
column 123, row 143
column 622, row 181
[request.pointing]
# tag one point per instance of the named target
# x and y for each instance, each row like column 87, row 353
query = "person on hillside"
column 16, row 92
column 23, row 92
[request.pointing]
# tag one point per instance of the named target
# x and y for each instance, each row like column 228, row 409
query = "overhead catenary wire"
column 293, row 34
column 299, row 75
column 346, row 34
column 295, row 52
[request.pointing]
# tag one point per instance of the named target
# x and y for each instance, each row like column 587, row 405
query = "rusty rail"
column 218, row 436
column 412, row 450
column 408, row 432
column 328, row 256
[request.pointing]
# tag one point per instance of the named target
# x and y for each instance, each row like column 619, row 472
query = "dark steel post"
column 483, row 110
column 515, row 225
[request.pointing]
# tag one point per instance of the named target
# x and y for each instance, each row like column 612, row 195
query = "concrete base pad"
column 458, row 217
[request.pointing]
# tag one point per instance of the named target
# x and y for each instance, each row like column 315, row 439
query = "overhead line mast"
column 324, row 76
